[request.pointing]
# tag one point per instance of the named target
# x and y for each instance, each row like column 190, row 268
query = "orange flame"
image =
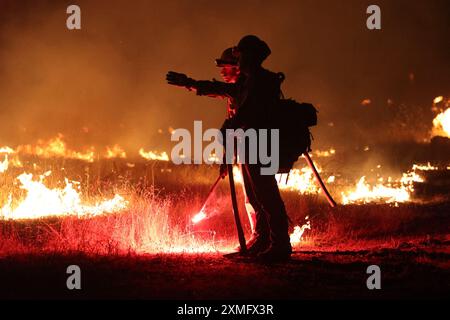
column 4, row 164
column 153, row 155
column 40, row 201
column 394, row 191
column 115, row 152
column 297, row 234
column 55, row 147
column 441, row 124
column 300, row 180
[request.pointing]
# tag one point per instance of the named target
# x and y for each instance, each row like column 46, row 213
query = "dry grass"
column 164, row 198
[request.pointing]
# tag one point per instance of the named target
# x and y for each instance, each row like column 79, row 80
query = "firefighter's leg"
column 261, row 236
column 268, row 196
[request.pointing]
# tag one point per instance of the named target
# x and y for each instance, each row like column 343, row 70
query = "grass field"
column 152, row 250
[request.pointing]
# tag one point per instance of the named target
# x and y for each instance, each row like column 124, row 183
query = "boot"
column 249, row 242
column 255, row 245
column 275, row 253
column 259, row 245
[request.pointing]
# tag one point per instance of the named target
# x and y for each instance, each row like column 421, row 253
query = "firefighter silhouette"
column 252, row 98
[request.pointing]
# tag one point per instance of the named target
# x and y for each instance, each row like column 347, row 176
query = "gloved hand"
column 178, row 79
column 223, row 170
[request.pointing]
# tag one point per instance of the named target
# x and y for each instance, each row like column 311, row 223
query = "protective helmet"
column 255, row 46
column 227, row 59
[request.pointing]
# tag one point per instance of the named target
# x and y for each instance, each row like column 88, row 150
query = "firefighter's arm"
column 203, row 87
column 214, row 88
column 179, row 79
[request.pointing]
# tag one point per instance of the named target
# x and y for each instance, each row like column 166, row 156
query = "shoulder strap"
column 281, row 78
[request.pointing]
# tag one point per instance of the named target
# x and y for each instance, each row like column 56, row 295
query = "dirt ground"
column 405, row 273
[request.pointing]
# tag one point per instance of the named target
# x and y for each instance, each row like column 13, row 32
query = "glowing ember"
column 191, row 245
column 40, row 201
column 441, row 124
column 438, row 99
column 325, row 154
column 296, row 235
column 426, row 167
column 150, row 155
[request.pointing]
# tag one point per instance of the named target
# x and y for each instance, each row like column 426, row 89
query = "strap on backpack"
column 281, row 78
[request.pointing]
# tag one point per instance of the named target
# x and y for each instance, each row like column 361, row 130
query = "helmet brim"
column 225, row 63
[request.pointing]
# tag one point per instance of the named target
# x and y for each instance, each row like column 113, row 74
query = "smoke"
column 105, row 84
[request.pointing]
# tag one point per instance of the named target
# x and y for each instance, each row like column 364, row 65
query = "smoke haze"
column 105, row 84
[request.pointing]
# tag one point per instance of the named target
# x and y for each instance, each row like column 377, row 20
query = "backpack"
column 293, row 119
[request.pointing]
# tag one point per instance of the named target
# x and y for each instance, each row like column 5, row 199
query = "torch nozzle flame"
column 199, row 217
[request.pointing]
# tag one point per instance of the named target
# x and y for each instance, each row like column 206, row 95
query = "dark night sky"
column 109, row 76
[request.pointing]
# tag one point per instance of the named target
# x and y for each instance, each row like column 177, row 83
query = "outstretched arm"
column 179, row 79
column 203, row 87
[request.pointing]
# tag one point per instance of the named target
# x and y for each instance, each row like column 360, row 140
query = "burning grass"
column 159, row 220
column 441, row 122
column 56, row 202
column 152, row 222
column 152, row 250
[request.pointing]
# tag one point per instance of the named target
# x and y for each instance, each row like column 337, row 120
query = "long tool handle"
column 211, row 192
column 322, row 185
column 240, row 231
